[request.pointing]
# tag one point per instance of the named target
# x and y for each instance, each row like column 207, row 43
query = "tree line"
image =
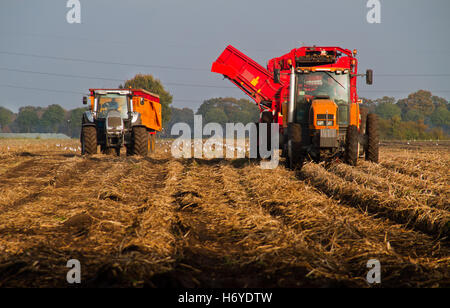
column 52, row 119
column 419, row 116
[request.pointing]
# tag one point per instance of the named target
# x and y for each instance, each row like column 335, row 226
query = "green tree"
column 27, row 120
column 149, row 83
column 184, row 115
column 421, row 116
column 441, row 117
column 215, row 115
column 75, row 117
column 6, row 117
column 413, row 115
column 52, row 119
column 439, row 102
column 420, row 101
column 228, row 110
column 385, row 100
column 388, row 110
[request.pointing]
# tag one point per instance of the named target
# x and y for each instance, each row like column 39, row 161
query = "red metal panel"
column 244, row 73
column 145, row 94
column 247, row 74
column 135, row 92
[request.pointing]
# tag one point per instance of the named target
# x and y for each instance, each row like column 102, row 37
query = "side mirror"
column 369, row 76
column 276, row 75
column 84, row 100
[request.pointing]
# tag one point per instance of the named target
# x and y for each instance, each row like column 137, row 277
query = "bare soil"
column 157, row 221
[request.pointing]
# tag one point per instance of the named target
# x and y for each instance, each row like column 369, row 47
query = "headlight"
column 320, row 123
column 329, row 123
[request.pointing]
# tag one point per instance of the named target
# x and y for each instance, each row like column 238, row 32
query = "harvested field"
column 164, row 222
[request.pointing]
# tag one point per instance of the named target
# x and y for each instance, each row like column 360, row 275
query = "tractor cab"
column 112, row 101
column 322, row 98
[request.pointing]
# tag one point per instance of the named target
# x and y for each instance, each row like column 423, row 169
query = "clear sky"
column 177, row 40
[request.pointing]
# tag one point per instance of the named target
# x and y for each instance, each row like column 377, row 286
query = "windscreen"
column 109, row 102
column 316, row 84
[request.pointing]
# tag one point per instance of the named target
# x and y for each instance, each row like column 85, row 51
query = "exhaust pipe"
column 291, row 96
column 291, row 113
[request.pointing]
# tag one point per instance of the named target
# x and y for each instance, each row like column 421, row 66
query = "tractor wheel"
column 296, row 159
column 351, row 145
column 372, row 138
column 362, row 129
column 89, row 140
column 140, row 141
column 129, row 150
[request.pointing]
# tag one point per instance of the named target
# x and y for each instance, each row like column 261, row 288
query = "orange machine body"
column 146, row 103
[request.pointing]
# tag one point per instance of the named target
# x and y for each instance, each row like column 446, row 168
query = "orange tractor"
column 311, row 93
column 120, row 117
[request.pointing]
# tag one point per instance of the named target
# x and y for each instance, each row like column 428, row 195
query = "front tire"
column 372, row 150
column 295, row 154
column 140, row 141
column 351, row 145
column 363, row 111
column 89, row 140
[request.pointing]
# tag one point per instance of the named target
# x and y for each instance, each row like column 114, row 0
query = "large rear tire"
column 372, row 150
column 295, row 155
column 362, row 129
column 140, row 141
column 89, row 140
column 351, row 145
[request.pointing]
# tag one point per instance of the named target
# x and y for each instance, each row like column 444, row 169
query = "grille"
column 114, row 122
column 324, row 117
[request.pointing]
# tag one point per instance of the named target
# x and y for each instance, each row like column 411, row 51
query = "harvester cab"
column 323, row 112
column 119, row 117
column 311, row 93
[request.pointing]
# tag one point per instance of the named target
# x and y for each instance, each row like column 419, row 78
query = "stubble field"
column 157, row 221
